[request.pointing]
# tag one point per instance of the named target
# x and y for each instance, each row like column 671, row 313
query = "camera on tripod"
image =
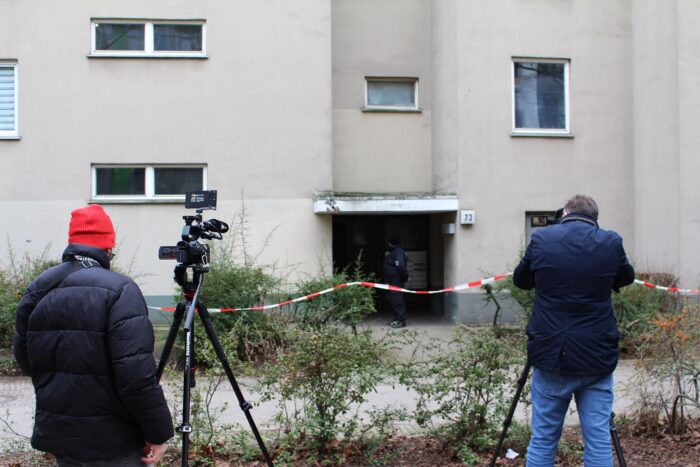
column 189, row 252
column 194, row 256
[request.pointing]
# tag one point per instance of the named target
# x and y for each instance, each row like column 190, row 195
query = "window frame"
column 12, row 134
column 566, row 131
column 148, row 40
column 392, row 108
column 530, row 229
column 149, row 195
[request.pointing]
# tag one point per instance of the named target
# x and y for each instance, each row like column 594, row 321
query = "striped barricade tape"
column 667, row 289
column 393, row 288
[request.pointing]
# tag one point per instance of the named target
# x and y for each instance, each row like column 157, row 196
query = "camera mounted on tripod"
column 189, row 252
column 192, row 255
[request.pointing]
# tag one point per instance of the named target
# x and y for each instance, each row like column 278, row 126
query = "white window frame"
column 566, row 131
column 394, row 108
column 148, row 40
column 149, row 182
column 12, row 134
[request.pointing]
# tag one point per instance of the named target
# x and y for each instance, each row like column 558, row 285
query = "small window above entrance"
column 536, row 220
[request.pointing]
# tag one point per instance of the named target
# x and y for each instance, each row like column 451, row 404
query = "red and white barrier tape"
column 393, row 288
column 667, row 289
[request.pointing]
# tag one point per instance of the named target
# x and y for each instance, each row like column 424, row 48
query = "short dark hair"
column 582, row 204
column 395, row 239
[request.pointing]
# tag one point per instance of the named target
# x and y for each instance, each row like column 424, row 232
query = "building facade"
column 462, row 125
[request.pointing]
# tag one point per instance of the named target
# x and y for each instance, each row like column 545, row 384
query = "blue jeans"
column 551, row 395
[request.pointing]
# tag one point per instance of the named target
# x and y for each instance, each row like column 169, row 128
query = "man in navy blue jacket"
column 572, row 333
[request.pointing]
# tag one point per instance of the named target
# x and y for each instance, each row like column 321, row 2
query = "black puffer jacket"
column 87, row 343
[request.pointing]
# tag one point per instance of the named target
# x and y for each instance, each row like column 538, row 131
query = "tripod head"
column 188, row 282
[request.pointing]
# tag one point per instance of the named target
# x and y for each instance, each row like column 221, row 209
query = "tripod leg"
column 165, row 354
column 185, row 428
column 506, row 424
column 245, row 406
column 616, row 442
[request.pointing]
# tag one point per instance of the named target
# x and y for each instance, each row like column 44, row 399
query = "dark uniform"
column 396, row 273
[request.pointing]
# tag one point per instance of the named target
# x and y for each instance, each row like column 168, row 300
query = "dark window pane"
column 539, row 95
column 391, row 93
column 178, row 37
column 177, row 181
column 119, row 36
column 121, row 181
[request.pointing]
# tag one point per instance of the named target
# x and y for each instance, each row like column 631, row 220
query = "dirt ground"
column 640, row 450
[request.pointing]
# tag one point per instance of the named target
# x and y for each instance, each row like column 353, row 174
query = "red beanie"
column 91, row 226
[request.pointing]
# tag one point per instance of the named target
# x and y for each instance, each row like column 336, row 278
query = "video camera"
column 193, row 257
column 557, row 217
column 189, row 252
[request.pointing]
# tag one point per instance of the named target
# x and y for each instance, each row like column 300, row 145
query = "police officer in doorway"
column 396, row 273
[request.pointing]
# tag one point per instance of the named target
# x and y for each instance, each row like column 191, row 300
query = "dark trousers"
column 397, row 306
column 132, row 459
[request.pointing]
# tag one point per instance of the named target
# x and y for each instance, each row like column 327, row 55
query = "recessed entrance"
column 366, row 236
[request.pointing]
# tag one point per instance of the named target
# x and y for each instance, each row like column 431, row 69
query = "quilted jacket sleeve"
column 19, row 344
column 130, row 336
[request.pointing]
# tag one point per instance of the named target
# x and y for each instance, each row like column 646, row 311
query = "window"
column 540, row 96
column 8, row 101
column 537, row 219
column 140, row 38
column 398, row 94
column 146, row 182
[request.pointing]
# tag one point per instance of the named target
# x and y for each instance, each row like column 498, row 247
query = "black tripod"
column 509, row 418
column 191, row 303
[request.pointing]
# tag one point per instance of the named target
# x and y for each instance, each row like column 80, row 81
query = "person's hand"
column 153, row 453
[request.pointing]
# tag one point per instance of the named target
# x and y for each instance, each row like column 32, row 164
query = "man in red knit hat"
column 82, row 333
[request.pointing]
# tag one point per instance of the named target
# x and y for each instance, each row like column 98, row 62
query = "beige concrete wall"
column 688, row 21
column 656, row 125
column 257, row 112
column 665, row 115
column 380, row 152
column 277, row 235
column 444, row 93
column 275, row 113
column 502, row 176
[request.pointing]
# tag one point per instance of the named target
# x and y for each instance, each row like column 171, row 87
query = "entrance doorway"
column 366, row 237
